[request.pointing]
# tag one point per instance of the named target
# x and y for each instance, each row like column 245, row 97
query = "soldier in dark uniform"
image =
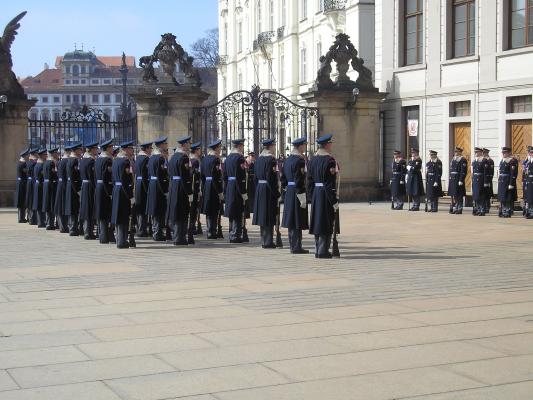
column 433, row 181
column 180, row 193
column 88, row 187
column 73, row 190
column 489, row 190
column 528, row 190
column 397, row 182
column 59, row 204
column 213, row 193
column 507, row 193
column 28, row 201
column 235, row 193
column 525, row 166
column 38, row 181
column 49, row 187
column 103, row 192
column 116, row 150
column 456, row 184
column 142, row 179
column 122, row 173
column 266, row 193
column 414, row 183
column 156, row 202
column 250, row 162
column 480, row 177
column 322, row 190
column 195, row 157
column 20, row 194
column 293, row 181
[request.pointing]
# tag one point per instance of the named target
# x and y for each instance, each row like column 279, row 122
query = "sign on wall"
column 412, row 127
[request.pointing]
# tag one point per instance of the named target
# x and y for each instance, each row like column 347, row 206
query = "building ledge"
column 514, row 52
column 414, row 67
column 460, row 60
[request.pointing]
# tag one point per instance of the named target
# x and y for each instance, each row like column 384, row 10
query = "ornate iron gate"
column 255, row 115
column 85, row 126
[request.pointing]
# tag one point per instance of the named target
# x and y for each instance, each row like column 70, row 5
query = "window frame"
column 454, row 5
column 528, row 41
column 419, row 15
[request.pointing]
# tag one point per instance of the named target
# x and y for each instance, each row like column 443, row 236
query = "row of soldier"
column 407, row 180
column 108, row 189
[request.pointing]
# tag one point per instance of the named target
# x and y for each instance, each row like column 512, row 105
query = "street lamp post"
column 124, row 106
column 3, row 105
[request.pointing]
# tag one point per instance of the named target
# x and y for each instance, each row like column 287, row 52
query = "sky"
column 52, row 27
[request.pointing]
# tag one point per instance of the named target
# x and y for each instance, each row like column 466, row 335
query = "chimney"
column 46, row 66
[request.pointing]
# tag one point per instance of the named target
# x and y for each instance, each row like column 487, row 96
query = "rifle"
column 131, row 227
column 279, row 242
column 245, row 238
column 220, row 235
column 336, row 221
column 190, row 223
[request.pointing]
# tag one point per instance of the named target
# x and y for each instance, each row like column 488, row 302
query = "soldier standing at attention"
column 266, row 193
column 156, row 201
column 480, row 173
column 180, row 194
column 507, row 193
column 235, row 190
column 59, row 204
column 528, row 190
column 250, row 162
column 88, row 185
column 525, row 167
column 456, row 185
column 103, row 192
column 322, row 190
column 73, row 190
column 489, row 190
column 142, row 179
column 49, row 188
column 196, row 177
column 397, row 182
column 122, row 193
column 433, row 181
column 293, row 180
column 20, row 194
column 38, row 181
column 414, row 183
column 213, row 196
column 28, row 201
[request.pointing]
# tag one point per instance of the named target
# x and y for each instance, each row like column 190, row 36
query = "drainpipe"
column 381, row 171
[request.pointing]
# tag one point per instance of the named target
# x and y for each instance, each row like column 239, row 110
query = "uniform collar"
column 235, row 150
column 507, row 159
column 295, row 152
column 156, row 152
column 212, row 153
column 322, row 152
column 21, row 159
column 266, row 153
column 142, row 153
column 105, row 154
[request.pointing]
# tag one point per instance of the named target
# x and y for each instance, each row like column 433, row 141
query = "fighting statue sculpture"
column 344, row 54
column 9, row 85
column 169, row 53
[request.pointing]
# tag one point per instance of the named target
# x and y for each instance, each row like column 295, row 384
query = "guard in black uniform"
column 142, row 180
column 397, row 181
column 267, row 193
column 250, row 164
column 59, row 204
column 528, row 190
column 213, row 193
column 73, row 190
column 180, row 193
column 122, row 193
column 38, row 181
column 507, row 193
column 156, row 202
column 88, row 187
column 28, row 201
column 489, row 189
column 49, row 187
column 235, row 193
column 195, row 158
column 20, row 193
column 414, row 183
column 456, row 185
column 322, row 190
column 433, row 181
column 480, row 178
column 293, row 182
column 103, row 192
column 525, row 167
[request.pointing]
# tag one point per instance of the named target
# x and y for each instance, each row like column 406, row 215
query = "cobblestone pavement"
column 420, row 306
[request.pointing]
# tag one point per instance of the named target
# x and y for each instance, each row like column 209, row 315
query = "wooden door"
column 520, row 139
column 461, row 138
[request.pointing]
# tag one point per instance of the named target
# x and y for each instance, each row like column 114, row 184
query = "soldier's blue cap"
column 116, row 149
column 478, row 149
column 485, row 150
column 397, row 152
column 196, row 145
column 529, row 148
column 238, row 141
column 215, row 143
column 299, row 141
column 160, row 140
column 184, row 139
column 33, row 150
column 268, row 142
column 145, row 145
column 91, row 145
column 505, row 148
column 325, row 139
column 459, row 149
column 106, row 144
column 42, row 150
column 433, row 152
column 76, row 146
column 24, row 152
column 53, row 149
column 126, row 144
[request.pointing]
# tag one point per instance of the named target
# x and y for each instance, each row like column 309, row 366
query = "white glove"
column 166, row 195
column 390, row 182
column 221, row 196
column 402, row 183
column 511, row 187
column 302, row 198
column 79, row 193
column 435, row 184
column 336, row 206
column 191, row 198
column 132, row 201
column 199, row 193
column 245, row 196
column 460, row 183
column 486, row 185
column 409, row 168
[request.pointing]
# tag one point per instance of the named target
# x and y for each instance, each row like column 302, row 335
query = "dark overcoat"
column 28, row 200
column 480, row 177
column 266, row 191
column 490, row 175
column 179, row 172
column 235, row 185
column 251, row 188
column 213, row 185
column 414, row 184
column 104, row 188
column 59, row 205
column 122, row 173
column 20, row 193
column 38, row 181
column 293, row 183
column 49, row 185
column 72, row 198
column 88, row 185
column 142, row 180
column 433, row 175
column 397, row 180
column 525, row 168
column 507, row 177
column 528, row 190
column 458, row 172
column 321, row 189
column 156, row 200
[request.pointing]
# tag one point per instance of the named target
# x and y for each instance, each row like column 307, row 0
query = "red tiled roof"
column 47, row 79
column 108, row 61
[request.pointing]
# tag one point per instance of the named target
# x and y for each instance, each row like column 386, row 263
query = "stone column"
column 356, row 130
column 14, row 138
column 166, row 114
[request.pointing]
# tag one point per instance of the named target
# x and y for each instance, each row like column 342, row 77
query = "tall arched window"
column 271, row 16
column 303, row 64
column 259, row 17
